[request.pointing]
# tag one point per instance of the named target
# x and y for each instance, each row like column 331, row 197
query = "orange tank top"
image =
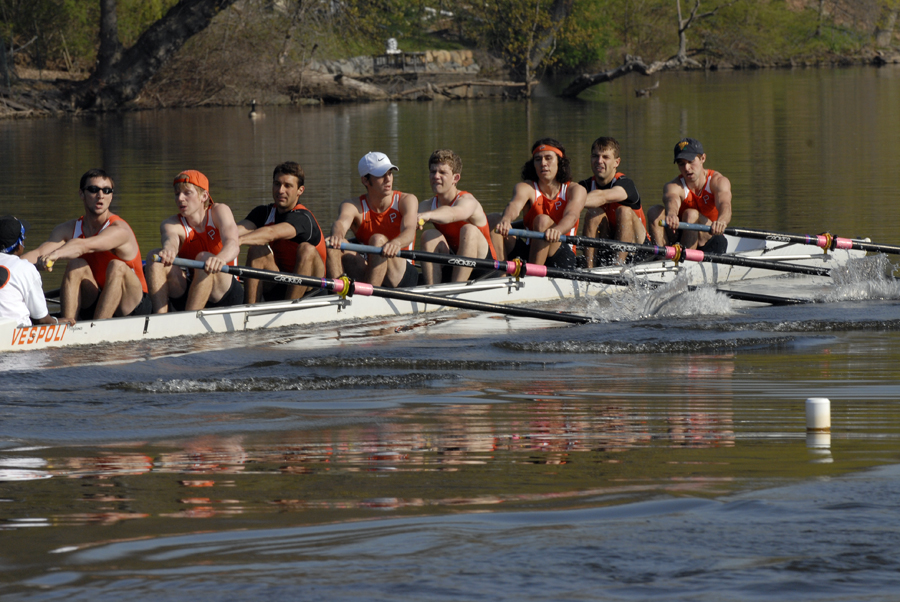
column 389, row 222
column 196, row 241
column 555, row 208
column 705, row 202
column 451, row 230
column 99, row 260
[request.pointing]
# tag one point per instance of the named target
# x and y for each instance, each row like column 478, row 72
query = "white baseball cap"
column 375, row 164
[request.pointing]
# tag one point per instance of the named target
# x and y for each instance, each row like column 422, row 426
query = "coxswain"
column 21, row 290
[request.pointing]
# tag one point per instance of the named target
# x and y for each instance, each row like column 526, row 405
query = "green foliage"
column 72, row 26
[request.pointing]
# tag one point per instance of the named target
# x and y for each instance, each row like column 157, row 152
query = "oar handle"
column 190, row 263
column 352, row 246
column 532, row 234
column 694, row 227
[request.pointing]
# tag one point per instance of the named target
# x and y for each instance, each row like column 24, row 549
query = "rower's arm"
column 267, row 234
column 461, row 211
column 599, row 198
column 58, row 238
column 409, row 206
column 110, row 238
column 522, row 194
column 721, row 186
column 223, row 219
column 673, row 195
column 345, row 221
column 172, row 235
column 573, row 210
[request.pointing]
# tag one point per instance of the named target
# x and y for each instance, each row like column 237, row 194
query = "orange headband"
column 547, row 147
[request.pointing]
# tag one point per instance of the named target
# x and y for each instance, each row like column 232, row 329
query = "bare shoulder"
column 407, row 199
column 524, row 190
column 674, row 187
column 577, row 189
column 720, row 182
column 64, row 231
column 221, row 211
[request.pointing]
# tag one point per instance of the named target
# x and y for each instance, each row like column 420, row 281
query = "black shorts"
column 410, row 277
column 144, row 308
column 717, row 245
column 234, row 296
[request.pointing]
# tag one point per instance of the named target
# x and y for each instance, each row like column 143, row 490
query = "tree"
column 110, row 48
column 635, row 63
column 522, row 32
column 126, row 75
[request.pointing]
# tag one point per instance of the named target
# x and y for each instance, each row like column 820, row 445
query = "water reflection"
column 588, row 450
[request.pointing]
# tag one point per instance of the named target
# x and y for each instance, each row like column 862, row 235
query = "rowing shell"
column 315, row 311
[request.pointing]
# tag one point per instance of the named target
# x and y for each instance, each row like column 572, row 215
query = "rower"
column 284, row 236
column 21, row 290
column 613, row 205
column 203, row 230
column 460, row 224
column 104, row 275
column 382, row 217
column 697, row 196
column 552, row 204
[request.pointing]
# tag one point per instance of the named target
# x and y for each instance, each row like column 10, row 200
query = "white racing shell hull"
column 322, row 309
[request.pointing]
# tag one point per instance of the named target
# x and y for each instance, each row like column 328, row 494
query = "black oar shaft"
column 507, row 267
column 688, row 254
column 824, row 241
column 360, row 288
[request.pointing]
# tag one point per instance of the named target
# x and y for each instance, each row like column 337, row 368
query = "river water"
column 651, row 454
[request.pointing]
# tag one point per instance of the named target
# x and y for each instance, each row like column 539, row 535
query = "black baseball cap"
column 688, row 149
column 12, row 233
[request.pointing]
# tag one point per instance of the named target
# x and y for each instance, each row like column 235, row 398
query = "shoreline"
column 42, row 94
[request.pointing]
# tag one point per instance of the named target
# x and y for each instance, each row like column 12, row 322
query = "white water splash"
column 675, row 299
column 865, row 278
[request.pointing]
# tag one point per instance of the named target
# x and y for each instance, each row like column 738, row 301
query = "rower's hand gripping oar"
column 827, row 241
column 345, row 286
column 678, row 253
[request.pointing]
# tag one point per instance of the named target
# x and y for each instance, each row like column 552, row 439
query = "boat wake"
column 672, row 300
column 866, row 278
column 269, row 384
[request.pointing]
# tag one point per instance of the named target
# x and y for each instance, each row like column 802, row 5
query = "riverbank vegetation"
column 239, row 49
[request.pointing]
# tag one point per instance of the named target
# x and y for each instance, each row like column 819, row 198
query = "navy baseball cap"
column 688, row 149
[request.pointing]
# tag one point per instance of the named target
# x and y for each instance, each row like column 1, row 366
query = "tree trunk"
column 136, row 65
column 885, row 35
column 110, row 47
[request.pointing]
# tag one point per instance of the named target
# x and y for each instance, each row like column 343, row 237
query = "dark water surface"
column 454, row 457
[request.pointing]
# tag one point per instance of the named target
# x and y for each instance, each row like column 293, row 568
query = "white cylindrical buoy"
column 818, row 414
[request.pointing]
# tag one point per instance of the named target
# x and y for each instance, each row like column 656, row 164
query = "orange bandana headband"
column 547, row 147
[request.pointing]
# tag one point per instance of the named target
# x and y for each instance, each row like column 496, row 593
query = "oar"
column 825, row 241
column 360, row 288
column 678, row 253
column 509, row 267
column 531, row 269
